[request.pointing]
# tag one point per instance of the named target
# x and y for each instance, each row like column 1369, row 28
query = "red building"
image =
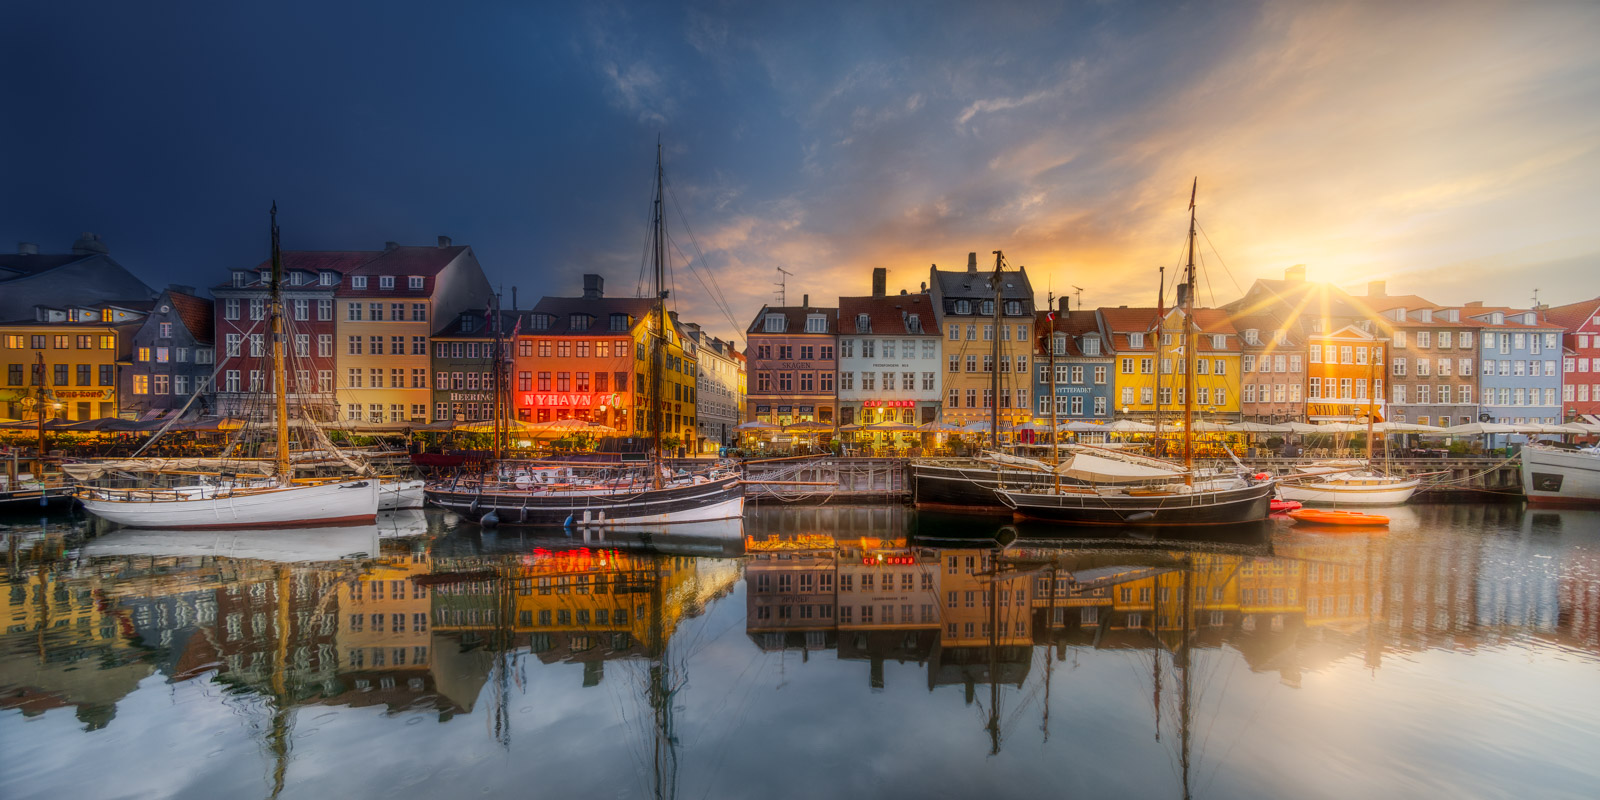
column 1580, row 382
column 792, row 364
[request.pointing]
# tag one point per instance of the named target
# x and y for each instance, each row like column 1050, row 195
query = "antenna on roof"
column 1536, row 299
column 783, row 286
column 1077, row 296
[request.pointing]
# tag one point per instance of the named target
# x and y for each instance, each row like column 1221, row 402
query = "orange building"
column 1344, row 375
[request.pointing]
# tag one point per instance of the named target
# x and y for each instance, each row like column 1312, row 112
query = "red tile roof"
column 1573, row 315
column 402, row 263
column 197, row 314
column 795, row 319
column 889, row 314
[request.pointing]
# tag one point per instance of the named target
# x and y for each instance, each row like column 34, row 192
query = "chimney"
column 1377, row 288
column 1183, row 294
column 972, row 263
column 805, row 301
column 924, row 287
column 594, row 286
column 89, row 243
column 1296, row 273
column 387, row 246
column 444, row 241
column 1062, row 302
column 27, row 248
column 880, row 281
column 513, row 298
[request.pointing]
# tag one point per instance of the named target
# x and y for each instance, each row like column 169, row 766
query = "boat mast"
column 658, row 348
column 280, row 379
column 499, row 384
column 1372, row 399
column 1189, row 344
column 1160, row 331
column 994, row 365
column 1050, row 386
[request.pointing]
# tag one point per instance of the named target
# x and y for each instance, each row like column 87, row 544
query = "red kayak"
column 1280, row 506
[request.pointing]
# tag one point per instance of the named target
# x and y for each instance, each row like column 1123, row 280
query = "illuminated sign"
column 570, row 400
column 869, row 560
column 1347, row 410
column 888, row 404
column 103, row 394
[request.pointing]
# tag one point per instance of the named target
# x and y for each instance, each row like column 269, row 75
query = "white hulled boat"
column 1347, row 483
column 1554, row 475
column 274, row 498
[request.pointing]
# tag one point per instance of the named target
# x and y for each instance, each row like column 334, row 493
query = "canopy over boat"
column 1084, row 466
column 99, row 469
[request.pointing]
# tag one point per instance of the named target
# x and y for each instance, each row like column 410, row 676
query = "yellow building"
column 974, row 601
column 386, row 616
column 1150, row 364
column 82, row 349
column 385, row 310
column 965, row 305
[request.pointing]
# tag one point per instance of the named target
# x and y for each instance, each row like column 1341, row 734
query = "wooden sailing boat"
column 603, row 497
column 224, row 499
column 1115, row 489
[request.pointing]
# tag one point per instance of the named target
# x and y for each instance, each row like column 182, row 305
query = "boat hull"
column 1210, row 507
column 321, row 504
column 973, row 487
column 1386, row 494
column 700, row 502
column 1560, row 477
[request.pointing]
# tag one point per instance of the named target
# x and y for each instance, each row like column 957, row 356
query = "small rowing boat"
column 1319, row 516
column 1280, row 506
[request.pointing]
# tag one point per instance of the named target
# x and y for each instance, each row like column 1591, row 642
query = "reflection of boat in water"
column 398, row 493
column 306, row 544
column 717, row 539
column 402, row 522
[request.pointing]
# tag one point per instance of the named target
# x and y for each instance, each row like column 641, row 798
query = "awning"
column 1103, row 470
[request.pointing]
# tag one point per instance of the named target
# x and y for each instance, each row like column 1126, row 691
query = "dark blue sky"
column 1366, row 142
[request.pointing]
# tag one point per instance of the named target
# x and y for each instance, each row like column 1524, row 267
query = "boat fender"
column 1261, row 476
column 567, row 523
column 1140, row 517
column 490, row 520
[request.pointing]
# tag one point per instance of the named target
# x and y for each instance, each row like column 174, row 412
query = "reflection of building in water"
column 982, row 608
column 766, row 522
column 791, row 598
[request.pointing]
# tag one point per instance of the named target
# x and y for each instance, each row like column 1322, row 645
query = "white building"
column 719, row 394
column 889, row 357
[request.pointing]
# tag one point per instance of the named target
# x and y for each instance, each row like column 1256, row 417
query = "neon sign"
column 888, row 404
column 569, row 400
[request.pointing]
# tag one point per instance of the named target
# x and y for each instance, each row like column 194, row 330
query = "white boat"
column 1561, row 476
column 396, row 493
column 1347, row 484
column 271, row 499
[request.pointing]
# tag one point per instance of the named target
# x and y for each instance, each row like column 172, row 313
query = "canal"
column 835, row 652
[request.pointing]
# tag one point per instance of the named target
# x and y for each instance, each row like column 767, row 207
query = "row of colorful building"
column 402, row 337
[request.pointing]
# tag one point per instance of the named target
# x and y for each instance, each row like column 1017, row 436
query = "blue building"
column 1519, row 377
column 1081, row 384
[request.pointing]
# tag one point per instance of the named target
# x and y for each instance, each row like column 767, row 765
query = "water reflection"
column 419, row 615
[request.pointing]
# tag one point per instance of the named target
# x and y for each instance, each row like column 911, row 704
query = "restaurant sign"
column 570, row 400
column 1350, row 411
column 888, row 404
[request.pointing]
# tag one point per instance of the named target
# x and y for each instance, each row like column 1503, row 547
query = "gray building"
column 719, row 394
column 29, row 278
column 173, row 358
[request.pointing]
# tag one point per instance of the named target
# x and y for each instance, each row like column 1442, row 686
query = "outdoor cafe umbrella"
column 1210, row 427
column 808, row 425
column 891, row 426
column 1130, row 426
column 1479, row 429
column 756, row 425
column 1405, row 427
column 1081, row 426
column 1258, row 427
column 1303, row 427
column 938, row 426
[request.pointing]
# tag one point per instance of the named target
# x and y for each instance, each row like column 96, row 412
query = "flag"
column 517, row 328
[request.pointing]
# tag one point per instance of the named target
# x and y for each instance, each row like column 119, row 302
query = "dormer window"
column 816, row 323
column 266, row 276
column 1252, row 336
column 621, row 322
column 1058, row 344
column 385, row 281
column 774, row 323
column 1014, row 308
column 1136, row 340
column 1426, row 315
column 913, row 323
column 296, row 278
column 863, row 323
column 358, row 281
column 240, row 277
column 330, row 278
column 1282, row 337
column 414, row 283
column 539, row 322
column 963, row 306
column 1219, row 341
column 1091, row 345
column 1497, row 318
column 988, row 308
column 580, row 322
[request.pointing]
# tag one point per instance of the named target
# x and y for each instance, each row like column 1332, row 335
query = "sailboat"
column 565, row 495
column 1351, row 482
column 1112, row 488
column 226, row 500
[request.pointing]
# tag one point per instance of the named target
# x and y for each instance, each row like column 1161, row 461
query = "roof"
column 15, row 265
column 1122, row 321
column 1295, row 298
column 1385, row 302
column 1540, row 323
column 977, row 286
column 1076, row 324
column 889, row 314
column 1269, row 325
column 402, row 263
column 561, row 310
column 197, row 314
column 508, row 323
column 1573, row 315
column 794, row 319
column 312, row 261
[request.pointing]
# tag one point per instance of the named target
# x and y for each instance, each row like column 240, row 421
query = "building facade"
column 1272, row 370
column 83, row 350
column 463, row 364
column 385, row 311
column 889, row 358
column 1580, row 382
column 719, row 395
column 1433, row 366
column 1520, row 371
column 965, row 303
column 1345, row 375
column 29, row 278
column 1150, row 377
column 173, row 358
column 1081, row 385
column 792, row 364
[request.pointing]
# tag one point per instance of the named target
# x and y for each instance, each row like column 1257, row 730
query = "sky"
column 1450, row 149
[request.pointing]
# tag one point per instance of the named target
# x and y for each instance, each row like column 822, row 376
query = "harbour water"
column 840, row 652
